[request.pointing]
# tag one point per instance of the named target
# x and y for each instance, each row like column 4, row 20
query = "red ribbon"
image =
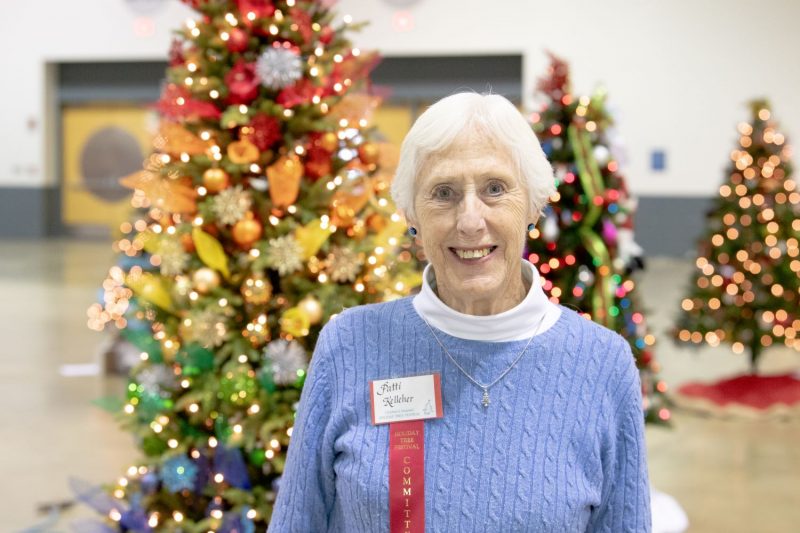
column 407, row 477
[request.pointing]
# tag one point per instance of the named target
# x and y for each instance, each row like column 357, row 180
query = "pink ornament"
column 609, row 232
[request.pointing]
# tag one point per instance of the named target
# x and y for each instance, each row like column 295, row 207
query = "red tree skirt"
column 748, row 395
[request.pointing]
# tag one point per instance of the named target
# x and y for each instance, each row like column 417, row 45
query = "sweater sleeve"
column 307, row 488
column 625, row 501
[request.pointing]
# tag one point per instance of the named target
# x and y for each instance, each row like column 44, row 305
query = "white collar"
column 519, row 322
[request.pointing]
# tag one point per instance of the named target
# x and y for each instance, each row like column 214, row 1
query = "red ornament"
column 243, row 83
column 300, row 93
column 326, row 35
column 318, row 163
column 260, row 8
column 176, row 103
column 176, row 56
column 557, row 84
column 263, row 131
column 303, row 21
column 238, row 40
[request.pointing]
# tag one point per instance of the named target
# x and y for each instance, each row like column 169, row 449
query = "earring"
column 531, row 226
column 412, row 231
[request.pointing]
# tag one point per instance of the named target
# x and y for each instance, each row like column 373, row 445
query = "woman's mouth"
column 473, row 254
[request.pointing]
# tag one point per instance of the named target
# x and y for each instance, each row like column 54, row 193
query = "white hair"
column 491, row 114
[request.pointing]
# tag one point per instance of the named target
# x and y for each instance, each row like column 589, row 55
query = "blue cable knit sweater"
column 560, row 448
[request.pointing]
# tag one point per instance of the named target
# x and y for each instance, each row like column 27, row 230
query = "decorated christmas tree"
column 265, row 213
column 746, row 288
column 583, row 246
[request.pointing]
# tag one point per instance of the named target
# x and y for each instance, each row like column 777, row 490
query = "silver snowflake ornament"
column 231, row 205
column 285, row 255
column 285, row 358
column 156, row 379
column 174, row 258
column 279, row 67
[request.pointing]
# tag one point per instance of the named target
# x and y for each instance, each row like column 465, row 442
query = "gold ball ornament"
column 205, row 280
column 257, row 331
column 170, row 347
column 247, row 231
column 369, row 153
column 312, row 308
column 328, row 142
column 243, row 152
column 284, row 180
column 216, row 180
column 256, row 290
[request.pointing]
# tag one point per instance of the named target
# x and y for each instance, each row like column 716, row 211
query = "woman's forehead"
column 472, row 138
column 474, row 157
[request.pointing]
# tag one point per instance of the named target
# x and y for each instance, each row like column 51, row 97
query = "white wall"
column 678, row 72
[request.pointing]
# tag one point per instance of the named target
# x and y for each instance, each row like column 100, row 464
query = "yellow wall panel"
column 100, row 145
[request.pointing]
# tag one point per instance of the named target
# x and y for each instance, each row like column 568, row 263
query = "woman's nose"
column 471, row 216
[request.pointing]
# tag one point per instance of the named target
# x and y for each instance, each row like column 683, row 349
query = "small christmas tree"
column 584, row 245
column 746, row 289
column 266, row 212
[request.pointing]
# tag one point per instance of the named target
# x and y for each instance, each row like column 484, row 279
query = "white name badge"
column 404, row 399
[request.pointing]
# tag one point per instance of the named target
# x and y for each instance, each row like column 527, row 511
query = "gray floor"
column 730, row 475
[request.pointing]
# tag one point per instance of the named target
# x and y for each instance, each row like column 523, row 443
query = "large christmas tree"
column 583, row 245
column 746, row 289
column 265, row 213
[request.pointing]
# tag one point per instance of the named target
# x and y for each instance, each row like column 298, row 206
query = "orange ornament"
column 347, row 202
column 284, row 180
column 187, row 243
column 243, row 152
column 247, row 231
column 369, row 153
column 328, row 142
column 211, row 229
column 215, row 180
column 376, row 222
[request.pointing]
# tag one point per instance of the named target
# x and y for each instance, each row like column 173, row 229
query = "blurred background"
column 684, row 99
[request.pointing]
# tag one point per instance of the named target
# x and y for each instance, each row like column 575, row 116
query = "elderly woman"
column 539, row 424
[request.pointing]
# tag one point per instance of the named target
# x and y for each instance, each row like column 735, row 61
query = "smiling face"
column 472, row 213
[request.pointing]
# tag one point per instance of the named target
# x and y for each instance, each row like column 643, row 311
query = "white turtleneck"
column 533, row 315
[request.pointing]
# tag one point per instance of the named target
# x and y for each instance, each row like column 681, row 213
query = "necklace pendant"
column 485, row 401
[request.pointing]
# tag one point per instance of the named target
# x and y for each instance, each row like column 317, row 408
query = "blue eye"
column 495, row 188
column 443, row 193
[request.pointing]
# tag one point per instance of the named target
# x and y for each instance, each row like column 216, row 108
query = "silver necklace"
column 485, row 400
